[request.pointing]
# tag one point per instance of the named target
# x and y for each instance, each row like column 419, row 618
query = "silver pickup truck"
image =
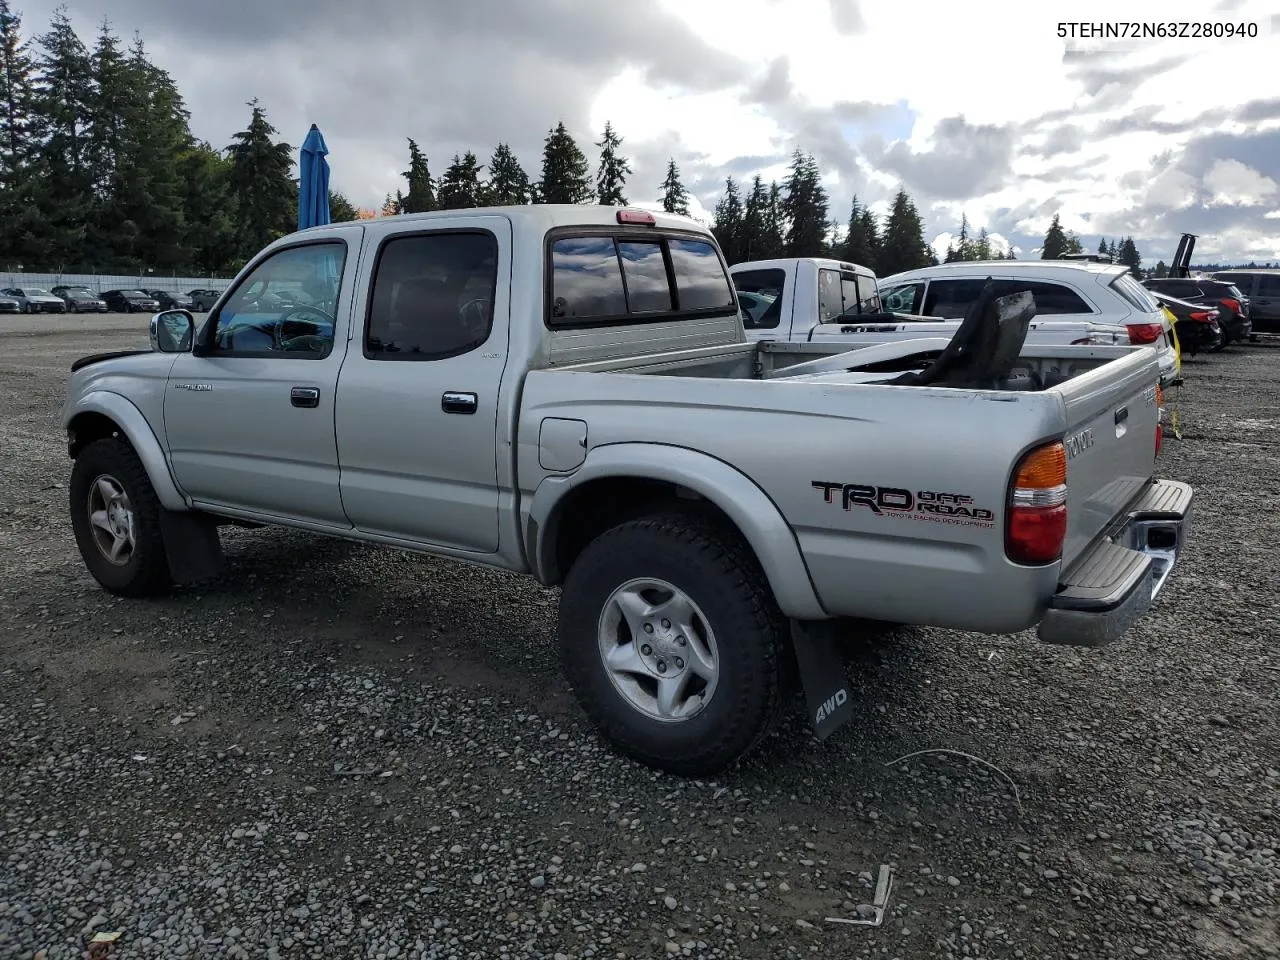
column 567, row 391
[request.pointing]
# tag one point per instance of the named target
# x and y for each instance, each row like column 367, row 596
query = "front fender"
column 750, row 509
column 141, row 437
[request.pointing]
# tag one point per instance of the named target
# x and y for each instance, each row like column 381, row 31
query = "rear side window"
column 950, row 299
column 1133, row 293
column 902, row 298
column 1050, row 298
column 1268, row 286
column 842, row 294
column 432, row 296
column 1242, row 280
column 601, row 278
column 760, row 296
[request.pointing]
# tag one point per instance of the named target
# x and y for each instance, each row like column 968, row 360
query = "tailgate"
column 1112, row 419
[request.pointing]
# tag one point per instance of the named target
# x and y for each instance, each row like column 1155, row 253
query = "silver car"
column 35, row 300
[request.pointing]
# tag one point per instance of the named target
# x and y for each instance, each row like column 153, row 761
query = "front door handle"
column 455, row 402
column 304, row 397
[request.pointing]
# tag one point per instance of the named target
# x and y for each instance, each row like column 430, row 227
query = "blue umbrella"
column 313, row 182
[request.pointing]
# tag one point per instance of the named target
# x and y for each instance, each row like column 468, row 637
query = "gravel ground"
column 335, row 751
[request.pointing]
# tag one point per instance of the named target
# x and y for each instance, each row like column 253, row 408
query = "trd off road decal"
column 932, row 505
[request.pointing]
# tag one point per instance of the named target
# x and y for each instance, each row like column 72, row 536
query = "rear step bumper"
column 1117, row 580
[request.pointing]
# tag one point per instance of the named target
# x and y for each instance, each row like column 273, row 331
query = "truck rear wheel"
column 115, row 515
column 673, row 643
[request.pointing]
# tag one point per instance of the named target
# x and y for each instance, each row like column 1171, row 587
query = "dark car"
column 130, row 301
column 80, row 299
column 203, row 299
column 1234, row 308
column 1262, row 288
column 170, row 301
column 1196, row 324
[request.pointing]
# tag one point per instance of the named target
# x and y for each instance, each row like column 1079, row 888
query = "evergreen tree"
column 564, row 170
column 1073, row 243
column 775, row 222
column 391, row 206
column 805, row 207
column 508, row 183
column 1009, row 254
column 675, row 198
column 728, row 227
column 903, row 246
column 264, row 193
column 982, row 246
column 208, row 210
column 751, row 241
column 460, row 185
column 1130, row 257
column 62, row 184
column 963, row 246
column 1102, row 248
column 20, row 220
column 861, row 237
column 341, row 210
column 1055, row 241
column 1161, row 271
column 613, row 172
column 1113, row 251
column 421, row 196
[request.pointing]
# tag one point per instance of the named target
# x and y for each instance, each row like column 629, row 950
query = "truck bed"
column 755, row 406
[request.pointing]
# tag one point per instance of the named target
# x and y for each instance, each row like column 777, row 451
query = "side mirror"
column 172, row 331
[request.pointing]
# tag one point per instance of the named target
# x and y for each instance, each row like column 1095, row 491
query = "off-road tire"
column 147, row 572
column 714, row 567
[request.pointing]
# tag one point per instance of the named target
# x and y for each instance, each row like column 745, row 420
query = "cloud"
column 847, row 17
column 1235, row 184
column 965, row 160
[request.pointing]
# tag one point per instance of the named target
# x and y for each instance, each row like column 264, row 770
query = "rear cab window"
column 842, row 294
column 760, row 296
column 628, row 276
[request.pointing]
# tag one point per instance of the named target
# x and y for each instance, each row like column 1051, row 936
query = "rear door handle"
column 304, row 397
column 455, row 402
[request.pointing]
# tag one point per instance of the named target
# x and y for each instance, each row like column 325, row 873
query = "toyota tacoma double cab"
column 567, row 392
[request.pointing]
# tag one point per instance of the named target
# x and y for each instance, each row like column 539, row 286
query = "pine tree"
column 1073, row 243
column 20, row 220
column 208, row 210
column 963, row 247
column 392, row 206
column 982, row 246
column 751, row 241
column 564, row 170
column 613, row 172
column 805, row 207
column 508, row 183
column 1130, row 257
column 903, row 246
column 62, row 184
column 863, row 243
column 728, row 227
column 1102, row 248
column 775, row 223
column 264, row 193
column 1113, row 251
column 421, row 196
column 1009, row 254
column 1161, row 271
column 341, row 210
column 460, row 184
column 1055, row 241
column 675, row 198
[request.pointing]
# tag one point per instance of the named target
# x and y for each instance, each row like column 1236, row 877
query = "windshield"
column 37, row 292
column 79, row 292
column 133, row 293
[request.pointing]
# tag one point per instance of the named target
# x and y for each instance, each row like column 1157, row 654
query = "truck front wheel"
column 673, row 643
column 115, row 515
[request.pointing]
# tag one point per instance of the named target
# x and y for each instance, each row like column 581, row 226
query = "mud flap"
column 822, row 674
column 192, row 544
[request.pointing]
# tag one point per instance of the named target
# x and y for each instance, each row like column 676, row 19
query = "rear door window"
column 1242, row 280
column 1268, row 287
column 950, row 299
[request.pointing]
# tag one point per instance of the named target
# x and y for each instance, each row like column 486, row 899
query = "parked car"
column 1234, row 309
column 203, row 299
column 812, row 298
column 81, row 299
column 1197, row 325
column 1262, row 288
column 9, row 304
column 585, row 408
column 130, row 301
column 170, row 301
column 1078, row 290
column 35, row 300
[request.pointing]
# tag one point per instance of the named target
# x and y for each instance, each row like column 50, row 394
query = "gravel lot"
column 340, row 752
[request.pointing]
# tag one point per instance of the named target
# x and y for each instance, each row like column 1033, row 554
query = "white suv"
column 1098, row 293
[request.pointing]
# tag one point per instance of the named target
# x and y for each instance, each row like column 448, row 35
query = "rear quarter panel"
column 836, row 459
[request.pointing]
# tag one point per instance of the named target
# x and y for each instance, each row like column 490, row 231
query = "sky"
column 979, row 109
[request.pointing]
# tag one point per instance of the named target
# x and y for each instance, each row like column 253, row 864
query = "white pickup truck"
column 566, row 392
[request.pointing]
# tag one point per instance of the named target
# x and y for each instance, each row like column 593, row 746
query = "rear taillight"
column 1232, row 304
column 1203, row 316
column 1144, row 333
column 1037, row 521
